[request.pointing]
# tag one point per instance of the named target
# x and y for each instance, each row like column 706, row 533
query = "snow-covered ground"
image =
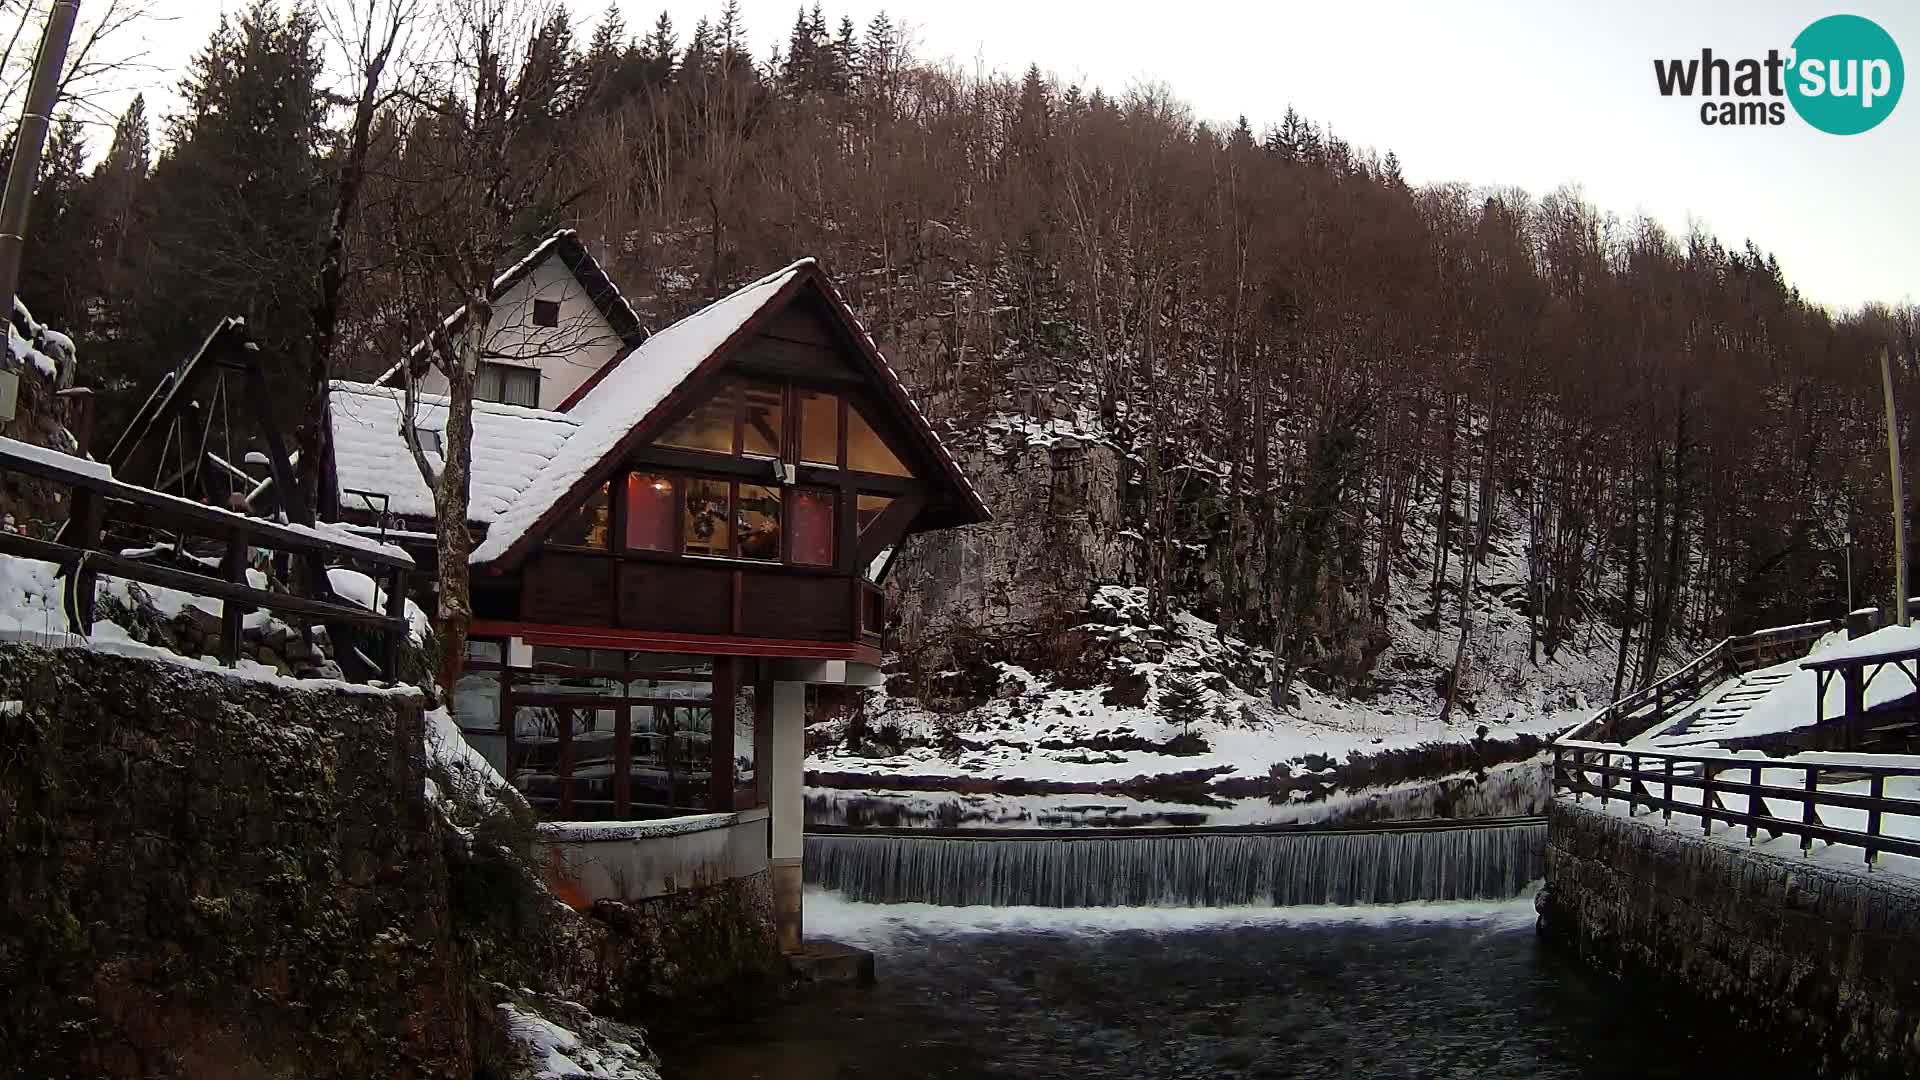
column 1035, row 730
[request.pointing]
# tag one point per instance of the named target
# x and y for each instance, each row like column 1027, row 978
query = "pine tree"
column 237, row 207
column 1182, row 701
column 55, row 272
column 657, row 53
column 846, row 58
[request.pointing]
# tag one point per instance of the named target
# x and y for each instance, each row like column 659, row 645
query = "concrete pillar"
column 787, row 810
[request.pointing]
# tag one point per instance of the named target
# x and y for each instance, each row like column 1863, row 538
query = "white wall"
column 588, row 861
column 565, row 355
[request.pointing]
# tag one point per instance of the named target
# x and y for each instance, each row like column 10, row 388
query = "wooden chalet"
column 670, row 551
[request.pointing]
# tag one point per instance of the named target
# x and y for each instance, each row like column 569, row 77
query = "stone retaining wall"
column 203, row 875
column 1815, row 954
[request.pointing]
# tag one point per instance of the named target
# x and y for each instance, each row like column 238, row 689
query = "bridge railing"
column 1832, row 798
column 1641, row 710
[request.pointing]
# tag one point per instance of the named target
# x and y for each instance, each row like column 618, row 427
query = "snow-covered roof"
column 511, row 445
column 1884, row 641
column 528, row 462
column 624, row 395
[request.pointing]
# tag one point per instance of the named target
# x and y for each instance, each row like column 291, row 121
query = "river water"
column 1428, row 990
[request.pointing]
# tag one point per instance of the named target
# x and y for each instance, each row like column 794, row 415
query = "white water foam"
column 875, row 926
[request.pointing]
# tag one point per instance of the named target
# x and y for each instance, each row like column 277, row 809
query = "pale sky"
column 1492, row 92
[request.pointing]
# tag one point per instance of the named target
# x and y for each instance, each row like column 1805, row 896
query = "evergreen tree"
column 846, row 57
column 657, row 53
column 55, row 270
column 1182, row 701
column 238, row 201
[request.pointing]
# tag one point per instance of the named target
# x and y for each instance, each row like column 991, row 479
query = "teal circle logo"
column 1846, row 74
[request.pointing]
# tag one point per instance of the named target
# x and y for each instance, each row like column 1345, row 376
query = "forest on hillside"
column 1306, row 364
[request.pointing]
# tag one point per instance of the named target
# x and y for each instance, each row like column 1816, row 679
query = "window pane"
column 813, row 527
column 759, row 522
column 760, row 431
column 486, row 383
column 476, row 700
column 485, row 651
column 819, row 428
column 650, row 521
column 868, row 508
column 866, row 452
column 587, row 526
column 708, row 528
column 744, row 774
column 708, row 427
column 521, row 386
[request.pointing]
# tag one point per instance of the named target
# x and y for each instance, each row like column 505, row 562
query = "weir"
column 1383, row 864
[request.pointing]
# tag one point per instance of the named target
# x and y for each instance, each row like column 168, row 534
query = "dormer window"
column 428, row 439
column 546, row 313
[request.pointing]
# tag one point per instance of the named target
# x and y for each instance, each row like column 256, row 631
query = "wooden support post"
column 563, row 769
column 395, row 636
column 1876, row 792
column 1706, row 797
column 233, row 567
column 1666, row 811
column 623, row 760
column 725, row 699
column 1754, row 806
column 1806, row 811
column 1633, row 781
column 86, row 516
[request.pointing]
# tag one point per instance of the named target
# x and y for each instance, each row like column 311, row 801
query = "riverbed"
column 1420, row 990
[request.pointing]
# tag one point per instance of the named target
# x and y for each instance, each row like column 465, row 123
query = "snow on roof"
column 511, row 445
column 85, row 472
column 630, row 390
column 1888, row 639
column 1790, row 700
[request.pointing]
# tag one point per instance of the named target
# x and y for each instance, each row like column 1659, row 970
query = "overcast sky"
column 1492, row 92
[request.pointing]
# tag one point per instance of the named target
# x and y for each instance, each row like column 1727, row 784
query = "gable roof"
column 511, row 445
column 634, row 391
column 586, row 270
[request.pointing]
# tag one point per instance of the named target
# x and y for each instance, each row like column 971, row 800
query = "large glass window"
column 650, row 512
column 708, row 427
column 819, row 428
column 761, row 432
column 813, row 527
column 708, row 526
column 586, row 526
column 866, row 451
column 759, row 522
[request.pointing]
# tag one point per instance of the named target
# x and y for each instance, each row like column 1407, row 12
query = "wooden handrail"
column 1683, row 683
column 97, row 497
column 1582, row 768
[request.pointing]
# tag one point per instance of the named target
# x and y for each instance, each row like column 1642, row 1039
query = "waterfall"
column 1198, row 869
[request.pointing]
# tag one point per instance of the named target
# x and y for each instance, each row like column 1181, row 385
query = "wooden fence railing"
column 1641, row 710
column 1735, row 791
column 97, row 499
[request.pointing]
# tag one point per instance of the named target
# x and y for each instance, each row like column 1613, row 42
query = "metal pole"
column 24, row 171
column 1899, row 498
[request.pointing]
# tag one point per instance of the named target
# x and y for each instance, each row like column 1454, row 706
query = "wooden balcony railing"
column 1800, row 796
column 97, row 499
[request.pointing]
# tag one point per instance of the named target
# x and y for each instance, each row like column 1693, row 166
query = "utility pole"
column 24, row 172
column 1899, row 498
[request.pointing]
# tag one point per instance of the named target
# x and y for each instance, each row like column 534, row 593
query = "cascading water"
column 1198, row 869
